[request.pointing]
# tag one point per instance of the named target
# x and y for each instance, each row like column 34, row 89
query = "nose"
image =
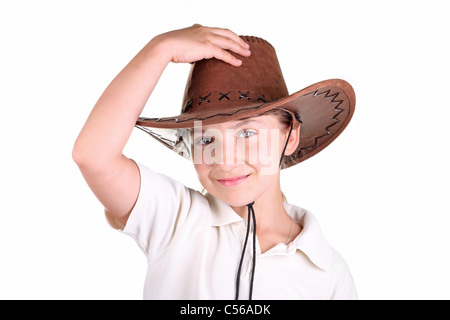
column 229, row 151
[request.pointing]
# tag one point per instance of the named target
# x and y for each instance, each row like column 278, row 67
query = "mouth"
column 234, row 181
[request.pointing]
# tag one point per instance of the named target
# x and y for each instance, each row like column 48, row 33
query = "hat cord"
column 251, row 215
column 285, row 145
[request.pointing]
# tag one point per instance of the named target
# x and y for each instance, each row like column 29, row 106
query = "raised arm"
column 113, row 177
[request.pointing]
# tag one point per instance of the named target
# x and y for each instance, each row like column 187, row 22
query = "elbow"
column 84, row 156
column 78, row 156
column 90, row 159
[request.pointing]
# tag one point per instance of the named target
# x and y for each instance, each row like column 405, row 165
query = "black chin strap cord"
column 251, row 215
column 285, row 145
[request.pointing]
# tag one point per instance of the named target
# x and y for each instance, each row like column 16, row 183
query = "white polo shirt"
column 193, row 244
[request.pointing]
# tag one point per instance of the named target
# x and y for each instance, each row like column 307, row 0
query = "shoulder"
column 164, row 210
column 313, row 243
column 163, row 190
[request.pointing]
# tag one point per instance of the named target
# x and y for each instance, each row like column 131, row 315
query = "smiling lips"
column 234, row 181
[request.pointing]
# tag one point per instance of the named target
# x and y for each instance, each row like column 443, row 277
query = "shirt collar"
column 310, row 241
column 222, row 213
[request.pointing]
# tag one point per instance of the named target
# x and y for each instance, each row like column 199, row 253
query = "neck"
column 274, row 225
column 269, row 209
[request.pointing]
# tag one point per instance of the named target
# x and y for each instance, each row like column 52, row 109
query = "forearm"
column 111, row 122
column 98, row 150
column 113, row 117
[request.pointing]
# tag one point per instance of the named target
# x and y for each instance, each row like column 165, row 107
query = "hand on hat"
column 199, row 42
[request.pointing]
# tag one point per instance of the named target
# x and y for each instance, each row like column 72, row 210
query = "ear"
column 294, row 139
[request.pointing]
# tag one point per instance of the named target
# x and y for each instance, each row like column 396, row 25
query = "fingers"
column 231, row 35
column 199, row 42
column 227, row 57
column 232, row 45
column 224, row 39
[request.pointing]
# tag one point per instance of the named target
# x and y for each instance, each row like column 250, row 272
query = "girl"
column 239, row 126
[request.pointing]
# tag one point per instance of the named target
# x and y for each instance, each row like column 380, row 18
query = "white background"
column 380, row 191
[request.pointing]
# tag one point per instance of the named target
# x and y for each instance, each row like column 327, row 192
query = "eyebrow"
column 244, row 122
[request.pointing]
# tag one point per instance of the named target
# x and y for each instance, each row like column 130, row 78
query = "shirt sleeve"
column 344, row 286
column 161, row 208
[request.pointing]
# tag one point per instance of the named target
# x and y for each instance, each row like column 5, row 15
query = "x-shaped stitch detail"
column 203, row 99
column 261, row 98
column 244, row 95
column 188, row 106
column 224, row 95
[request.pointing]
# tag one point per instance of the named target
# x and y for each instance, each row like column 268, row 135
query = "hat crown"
column 213, row 84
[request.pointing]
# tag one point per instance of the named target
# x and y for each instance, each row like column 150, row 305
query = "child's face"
column 238, row 161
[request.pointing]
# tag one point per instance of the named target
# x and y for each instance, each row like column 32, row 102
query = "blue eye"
column 246, row 134
column 205, row 140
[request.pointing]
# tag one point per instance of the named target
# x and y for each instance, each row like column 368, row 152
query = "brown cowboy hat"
column 218, row 92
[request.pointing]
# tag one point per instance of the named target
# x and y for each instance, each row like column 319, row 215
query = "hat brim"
column 324, row 110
